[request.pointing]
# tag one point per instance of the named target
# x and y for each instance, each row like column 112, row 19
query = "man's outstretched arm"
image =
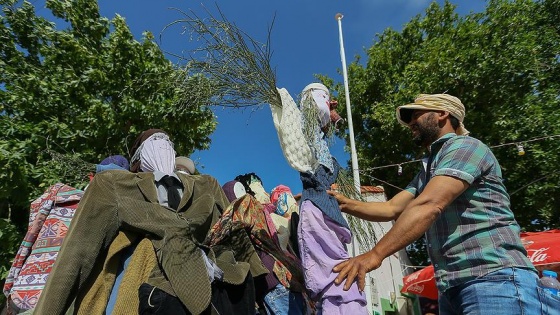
column 413, row 222
column 374, row 211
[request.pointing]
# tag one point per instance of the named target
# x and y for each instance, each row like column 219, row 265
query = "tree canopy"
column 78, row 90
column 504, row 65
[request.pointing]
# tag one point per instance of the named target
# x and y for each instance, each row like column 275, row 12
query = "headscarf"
column 276, row 191
column 153, row 150
column 233, row 190
column 443, row 102
column 283, row 200
column 113, row 162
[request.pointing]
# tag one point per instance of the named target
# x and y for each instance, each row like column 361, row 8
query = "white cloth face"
column 157, row 153
column 322, row 99
column 260, row 194
column 239, row 190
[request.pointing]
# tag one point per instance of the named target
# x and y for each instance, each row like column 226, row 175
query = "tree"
column 75, row 92
column 502, row 63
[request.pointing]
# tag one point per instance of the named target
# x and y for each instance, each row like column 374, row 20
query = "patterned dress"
column 49, row 220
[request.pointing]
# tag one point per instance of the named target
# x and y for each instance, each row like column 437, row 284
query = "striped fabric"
column 477, row 233
column 49, row 220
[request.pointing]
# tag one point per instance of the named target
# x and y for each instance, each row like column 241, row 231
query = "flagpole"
column 353, row 154
column 355, row 170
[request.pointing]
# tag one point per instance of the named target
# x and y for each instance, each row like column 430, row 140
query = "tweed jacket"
column 121, row 200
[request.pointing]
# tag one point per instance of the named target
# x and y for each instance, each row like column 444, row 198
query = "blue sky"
column 305, row 42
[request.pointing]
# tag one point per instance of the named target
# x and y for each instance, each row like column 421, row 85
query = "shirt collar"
column 158, row 175
column 434, row 147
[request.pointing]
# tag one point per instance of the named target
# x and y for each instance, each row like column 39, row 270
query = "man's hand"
column 343, row 201
column 356, row 267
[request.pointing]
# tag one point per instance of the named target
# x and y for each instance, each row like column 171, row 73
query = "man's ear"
column 442, row 115
column 442, row 118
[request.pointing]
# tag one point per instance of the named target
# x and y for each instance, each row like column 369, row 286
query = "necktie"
column 172, row 185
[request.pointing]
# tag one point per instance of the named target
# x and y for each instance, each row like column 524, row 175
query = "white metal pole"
column 353, row 154
column 355, row 170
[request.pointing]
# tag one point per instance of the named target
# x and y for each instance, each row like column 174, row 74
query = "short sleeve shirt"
column 477, row 233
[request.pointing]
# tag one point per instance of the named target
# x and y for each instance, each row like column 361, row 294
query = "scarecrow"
column 323, row 233
column 239, row 68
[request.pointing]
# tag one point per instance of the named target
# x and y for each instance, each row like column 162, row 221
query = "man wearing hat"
column 458, row 200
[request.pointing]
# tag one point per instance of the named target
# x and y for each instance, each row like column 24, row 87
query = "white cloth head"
column 157, row 154
column 321, row 98
column 260, row 194
column 239, row 190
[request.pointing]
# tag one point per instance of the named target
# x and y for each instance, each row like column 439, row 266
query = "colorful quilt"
column 49, row 220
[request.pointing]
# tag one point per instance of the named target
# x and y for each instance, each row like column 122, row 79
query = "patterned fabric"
column 247, row 213
column 281, row 196
column 321, row 149
column 277, row 191
column 477, row 233
column 286, row 204
column 49, row 220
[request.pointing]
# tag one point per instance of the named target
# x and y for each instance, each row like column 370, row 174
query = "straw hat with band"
column 183, row 163
column 435, row 102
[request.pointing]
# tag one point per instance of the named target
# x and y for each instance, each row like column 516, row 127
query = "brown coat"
column 121, row 200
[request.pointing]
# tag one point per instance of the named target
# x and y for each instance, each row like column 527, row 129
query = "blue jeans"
column 550, row 303
column 281, row 301
column 511, row 291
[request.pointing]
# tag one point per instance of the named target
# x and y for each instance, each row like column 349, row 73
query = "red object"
column 422, row 283
column 543, row 249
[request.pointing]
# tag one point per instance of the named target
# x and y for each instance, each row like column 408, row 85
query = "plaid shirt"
column 477, row 233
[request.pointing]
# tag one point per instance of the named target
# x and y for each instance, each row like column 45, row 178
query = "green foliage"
column 78, row 90
column 504, row 64
column 10, row 238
